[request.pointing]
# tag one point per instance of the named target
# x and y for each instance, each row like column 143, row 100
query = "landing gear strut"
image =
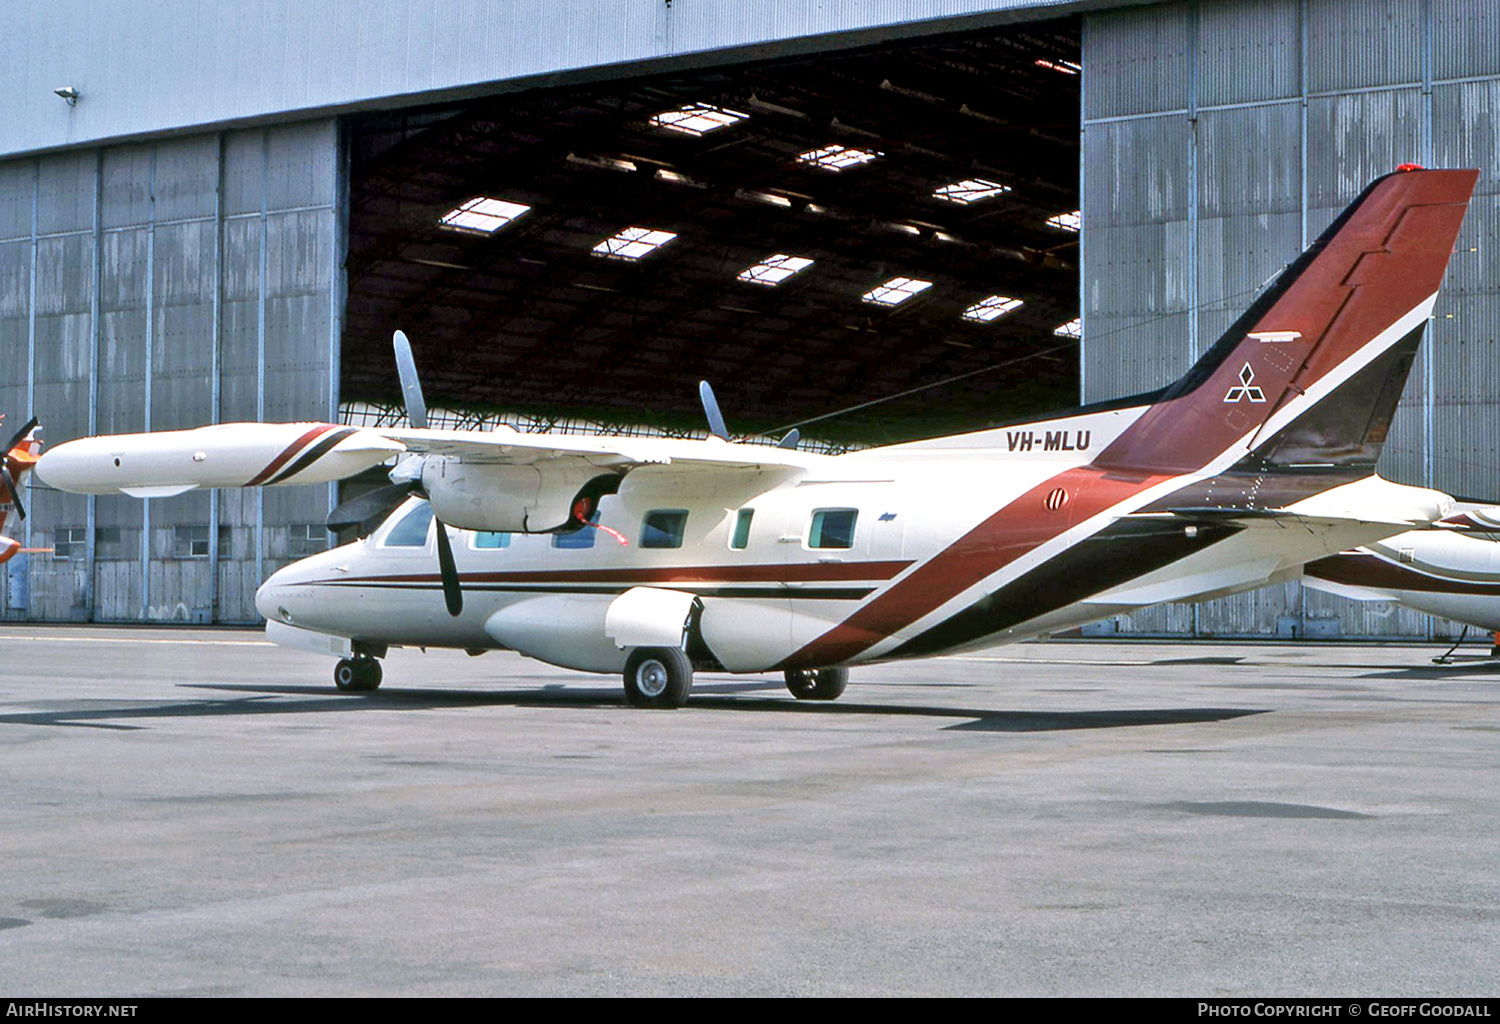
column 359, row 674
column 817, row 683
column 658, row 677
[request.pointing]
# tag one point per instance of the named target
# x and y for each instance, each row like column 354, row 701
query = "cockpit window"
column 489, row 540
column 411, row 532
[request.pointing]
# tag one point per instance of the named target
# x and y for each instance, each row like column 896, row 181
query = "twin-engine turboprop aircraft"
column 653, row 557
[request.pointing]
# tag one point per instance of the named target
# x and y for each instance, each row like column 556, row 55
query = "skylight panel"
column 1067, row 221
column 896, row 291
column 697, row 118
column 633, row 243
column 836, row 158
column 1071, row 329
column 774, row 269
column 992, row 308
column 970, row 190
column 482, row 215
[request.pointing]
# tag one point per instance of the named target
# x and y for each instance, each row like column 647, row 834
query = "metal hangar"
column 214, row 212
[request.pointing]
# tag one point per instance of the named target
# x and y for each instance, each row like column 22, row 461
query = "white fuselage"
column 786, row 588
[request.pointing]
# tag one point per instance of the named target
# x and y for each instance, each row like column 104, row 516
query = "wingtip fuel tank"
column 223, row 455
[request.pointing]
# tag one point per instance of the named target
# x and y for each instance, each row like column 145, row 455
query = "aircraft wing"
column 511, row 447
column 272, row 454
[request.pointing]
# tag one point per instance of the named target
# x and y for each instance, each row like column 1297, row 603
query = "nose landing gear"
column 359, row 674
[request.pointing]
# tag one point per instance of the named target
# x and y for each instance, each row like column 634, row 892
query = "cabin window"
column 583, row 537
column 487, row 540
column 663, row 528
column 411, row 532
column 832, row 528
column 741, row 538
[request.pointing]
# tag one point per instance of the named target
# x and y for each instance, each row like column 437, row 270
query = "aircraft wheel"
column 817, row 683
column 357, row 675
column 658, row 677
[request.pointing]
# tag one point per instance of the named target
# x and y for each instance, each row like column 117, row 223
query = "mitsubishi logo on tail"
column 1247, row 388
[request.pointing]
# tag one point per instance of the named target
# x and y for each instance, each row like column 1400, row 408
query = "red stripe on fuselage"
column 1017, row 529
column 1373, row 571
column 287, row 453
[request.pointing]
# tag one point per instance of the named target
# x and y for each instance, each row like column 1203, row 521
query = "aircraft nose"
column 287, row 596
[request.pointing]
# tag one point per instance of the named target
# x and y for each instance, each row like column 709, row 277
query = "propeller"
column 453, row 595
column 10, row 485
column 716, row 425
column 370, row 509
column 715, row 418
column 381, row 502
column 411, row 387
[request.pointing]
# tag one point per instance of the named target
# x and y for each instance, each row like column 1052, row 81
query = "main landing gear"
column 658, row 677
column 359, row 674
column 817, row 683
column 662, row 677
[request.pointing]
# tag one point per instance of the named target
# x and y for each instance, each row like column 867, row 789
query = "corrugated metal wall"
column 178, row 65
column 152, row 287
column 1219, row 137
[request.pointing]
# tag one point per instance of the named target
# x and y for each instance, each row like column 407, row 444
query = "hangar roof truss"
column 509, row 305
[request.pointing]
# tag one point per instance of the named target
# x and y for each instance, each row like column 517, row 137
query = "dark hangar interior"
column 941, row 161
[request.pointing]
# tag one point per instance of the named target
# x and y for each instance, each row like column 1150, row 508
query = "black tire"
column 658, row 677
column 357, row 675
column 370, row 674
column 817, row 683
column 346, row 675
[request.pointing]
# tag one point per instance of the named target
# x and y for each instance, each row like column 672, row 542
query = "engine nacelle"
column 535, row 498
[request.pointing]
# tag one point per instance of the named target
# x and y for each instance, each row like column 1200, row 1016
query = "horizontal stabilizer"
column 1263, row 517
column 1184, row 588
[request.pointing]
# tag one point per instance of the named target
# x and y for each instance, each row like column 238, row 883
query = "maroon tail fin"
column 1312, row 371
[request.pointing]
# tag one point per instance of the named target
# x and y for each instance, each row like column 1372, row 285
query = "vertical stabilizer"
column 1312, row 372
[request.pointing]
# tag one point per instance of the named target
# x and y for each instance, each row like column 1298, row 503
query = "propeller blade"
column 711, row 410
column 790, row 441
column 411, row 387
column 453, row 595
column 20, row 434
column 10, row 485
column 372, row 506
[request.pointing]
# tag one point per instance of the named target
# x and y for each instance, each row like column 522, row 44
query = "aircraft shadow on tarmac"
column 273, row 700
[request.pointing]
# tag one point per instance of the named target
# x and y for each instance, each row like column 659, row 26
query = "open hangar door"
column 806, row 234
